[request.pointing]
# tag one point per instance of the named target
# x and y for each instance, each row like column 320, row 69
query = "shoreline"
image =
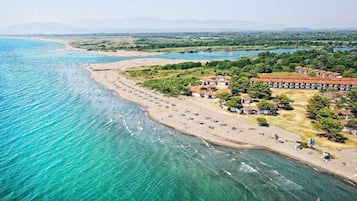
column 117, row 53
column 306, row 156
column 182, row 113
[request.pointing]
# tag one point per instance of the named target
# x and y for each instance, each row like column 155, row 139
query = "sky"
column 278, row 13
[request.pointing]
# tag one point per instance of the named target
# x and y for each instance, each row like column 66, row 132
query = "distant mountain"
column 42, row 28
column 297, row 29
column 133, row 25
column 351, row 28
column 148, row 25
column 306, row 29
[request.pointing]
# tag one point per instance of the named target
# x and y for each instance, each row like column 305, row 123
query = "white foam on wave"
column 247, row 168
column 171, row 133
column 284, row 182
column 202, row 156
column 140, row 125
column 127, row 127
column 227, row 172
column 287, row 184
column 261, row 162
column 205, row 143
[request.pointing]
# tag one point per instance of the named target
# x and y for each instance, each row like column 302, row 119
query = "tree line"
column 255, row 40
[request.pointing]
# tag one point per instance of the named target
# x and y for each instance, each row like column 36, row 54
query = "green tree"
column 340, row 68
column 342, row 102
column 283, row 101
column 265, row 105
column 352, row 124
column 352, row 101
column 263, row 68
column 260, row 90
column 327, row 120
column 239, row 84
column 316, row 103
column 325, row 113
column 352, row 95
column 348, row 73
column 353, row 107
column 312, row 74
column 186, row 91
column 234, row 102
column 224, row 96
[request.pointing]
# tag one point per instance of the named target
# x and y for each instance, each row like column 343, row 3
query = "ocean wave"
column 247, row 168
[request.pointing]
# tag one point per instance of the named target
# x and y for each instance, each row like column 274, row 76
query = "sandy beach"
column 198, row 117
column 124, row 53
column 117, row 53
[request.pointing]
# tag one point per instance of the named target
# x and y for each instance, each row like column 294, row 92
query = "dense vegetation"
column 260, row 90
column 217, row 41
column 325, row 119
column 181, row 66
column 263, row 39
column 344, row 62
column 172, row 86
column 172, row 79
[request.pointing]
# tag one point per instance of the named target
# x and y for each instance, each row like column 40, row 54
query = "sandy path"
column 196, row 116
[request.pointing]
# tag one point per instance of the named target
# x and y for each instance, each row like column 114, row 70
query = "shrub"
column 262, row 121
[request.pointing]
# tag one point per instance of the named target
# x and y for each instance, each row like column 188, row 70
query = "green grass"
column 168, row 82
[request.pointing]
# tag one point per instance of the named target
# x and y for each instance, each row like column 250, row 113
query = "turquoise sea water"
column 64, row 137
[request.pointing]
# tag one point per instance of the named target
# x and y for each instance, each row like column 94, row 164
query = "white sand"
column 194, row 116
column 122, row 65
column 117, row 53
column 124, row 53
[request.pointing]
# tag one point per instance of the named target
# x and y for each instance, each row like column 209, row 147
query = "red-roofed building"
column 246, row 99
column 316, row 83
column 216, row 80
column 211, row 86
column 319, row 73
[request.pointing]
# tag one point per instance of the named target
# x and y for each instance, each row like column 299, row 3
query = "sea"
column 65, row 137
